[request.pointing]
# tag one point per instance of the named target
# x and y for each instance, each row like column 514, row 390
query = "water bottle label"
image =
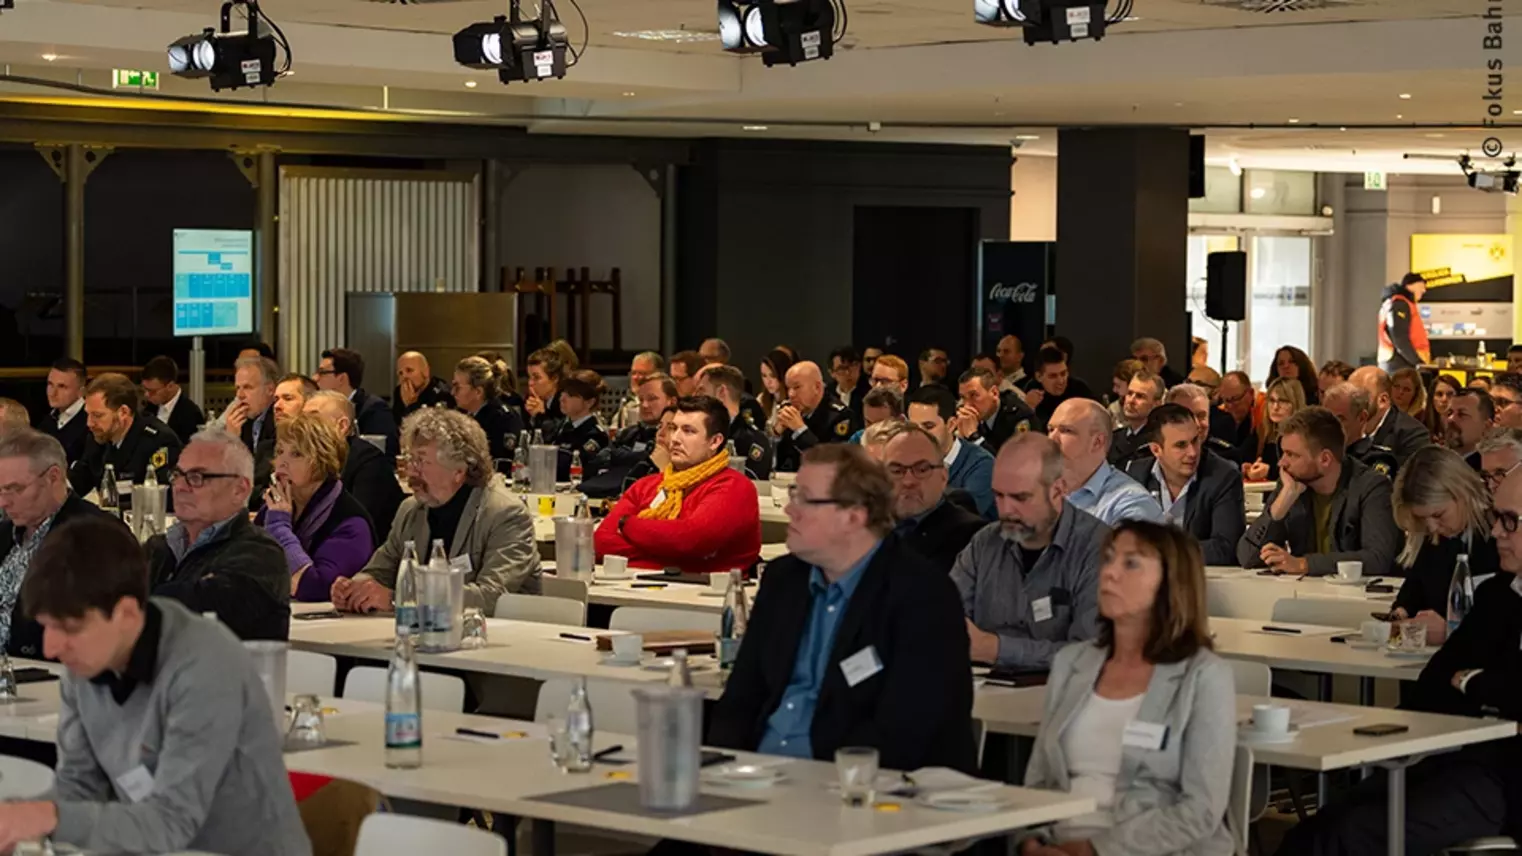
column 729, row 649
column 404, row 731
column 437, row 619
column 406, row 616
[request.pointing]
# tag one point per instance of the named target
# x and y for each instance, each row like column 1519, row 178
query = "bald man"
column 1081, row 429
column 1391, row 427
column 416, row 387
column 808, row 417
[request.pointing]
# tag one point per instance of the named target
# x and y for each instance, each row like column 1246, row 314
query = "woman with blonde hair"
column 507, row 381
column 1442, row 506
column 325, row 532
column 1286, row 397
column 475, row 392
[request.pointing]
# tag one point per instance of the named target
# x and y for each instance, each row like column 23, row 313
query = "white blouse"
column 1092, row 746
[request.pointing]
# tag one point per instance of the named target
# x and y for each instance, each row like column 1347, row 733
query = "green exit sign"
column 133, row 78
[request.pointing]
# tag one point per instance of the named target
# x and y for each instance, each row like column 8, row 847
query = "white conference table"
column 1234, row 592
column 1318, row 748
column 1309, row 650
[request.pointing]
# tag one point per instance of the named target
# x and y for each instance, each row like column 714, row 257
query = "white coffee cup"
column 1349, row 571
column 1270, row 718
column 615, row 567
column 628, row 647
column 718, row 582
column 1376, row 632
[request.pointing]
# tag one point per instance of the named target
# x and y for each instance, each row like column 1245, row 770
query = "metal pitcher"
column 670, row 751
column 574, row 554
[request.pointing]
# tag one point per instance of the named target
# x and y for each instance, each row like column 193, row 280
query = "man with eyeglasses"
column 1471, row 413
column 854, row 640
column 1030, row 585
column 930, row 525
column 1389, row 427
column 343, row 371
column 35, row 496
column 1232, row 423
column 933, row 366
column 1154, row 356
column 1471, row 793
column 1500, row 455
column 1506, row 393
column 213, row 559
column 891, row 372
column 851, row 384
column 641, row 368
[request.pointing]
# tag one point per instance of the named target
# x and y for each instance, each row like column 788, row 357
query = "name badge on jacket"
column 1041, row 609
column 1151, row 736
column 136, row 783
column 861, row 665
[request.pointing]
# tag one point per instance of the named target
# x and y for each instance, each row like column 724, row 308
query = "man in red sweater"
column 698, row 515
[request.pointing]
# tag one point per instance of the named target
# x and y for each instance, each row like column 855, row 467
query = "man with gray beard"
column 1031, row 584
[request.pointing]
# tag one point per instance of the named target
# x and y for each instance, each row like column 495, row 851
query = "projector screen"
column 213, row 282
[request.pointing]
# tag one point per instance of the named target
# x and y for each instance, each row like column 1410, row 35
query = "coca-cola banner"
column 1014, row 280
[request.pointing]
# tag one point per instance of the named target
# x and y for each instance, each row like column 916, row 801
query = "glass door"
column 1279, row 312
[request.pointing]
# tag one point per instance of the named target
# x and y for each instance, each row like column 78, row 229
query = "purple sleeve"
column 278, row 525
column 342, row 554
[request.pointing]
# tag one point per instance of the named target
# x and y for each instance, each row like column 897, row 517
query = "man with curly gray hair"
column 455, row 499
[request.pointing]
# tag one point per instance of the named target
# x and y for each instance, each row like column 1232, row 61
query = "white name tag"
column 460, row 563
column 1041, row 609
column 640, row 447
column 1144, row 735
column 861, row 665
column 660, row 497
column 136, row 783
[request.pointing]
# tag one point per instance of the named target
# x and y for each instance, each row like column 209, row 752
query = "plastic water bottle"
column 109, row 500
column 681, row 674
column 406, row 591
column 575, row 469
column 520, row 468
column 404, row 706
column 435, row 612
column 733, row 623
column 1460, row 593
column 151, row 475
column 578, row 730
column 538, row 437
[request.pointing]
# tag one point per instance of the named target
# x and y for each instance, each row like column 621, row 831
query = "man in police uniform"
column 1355, row 410
column 986, row 418
column 807, row 419
column 607, row 473
column 727, row 384
column 121, row 436
column 579, row 433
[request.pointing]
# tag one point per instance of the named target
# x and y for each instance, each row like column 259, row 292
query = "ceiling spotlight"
column 753, row 127
column 1294, row 121
column 782, row 31
column 1051, row 20
column 518, row 49
column 1006, row 13
column 50, row 57
column 470, row 84
column 232, row 59
column 1405, row 96
column 740, row 27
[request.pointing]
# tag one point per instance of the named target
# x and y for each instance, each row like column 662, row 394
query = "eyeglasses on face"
column 794, row 496
column 920, row 470
column 1506, row 519
column 17, row 488
column 197, row 478
column 1493, row 478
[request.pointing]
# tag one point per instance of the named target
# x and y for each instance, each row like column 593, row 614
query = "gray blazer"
column 1167, row 801
column 1363, row 526
column 495, row 531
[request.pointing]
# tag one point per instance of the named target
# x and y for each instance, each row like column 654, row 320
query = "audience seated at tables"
column 1506, row 395
column 251, row 417
column 1390, row 426
column 474, row 390
column 809, row 417
column 291, row 394
column 1328, row 508
column 1354, row 410
column 698, row 514
column 456, row 499
column 890, row 372
column 1500, row 454
column 727, row 384
column 854, row 640
column 580, row 432
column 121, row 436
column 1284, row 399
column 546, row 371
column 166, row 399
column 925, row 520
column 609, row 473
column 1231, row 425
column 36, row 500
column 367, row 475
column 1081, row 429
column 213, row 559
column 343, row 371
column 1291, row 363
column 1198, row 490
column 880, row 404
column 985, row 418
column 1029, row 584
column 1143, row 720
column 1470, row 793
column 644, row 364
column 1471, row 413
column 968, row 467
column 851, row 384
column 65, row 419
column 165, row 739
column 416, row 387
column 1143, row 393
column 325, row 533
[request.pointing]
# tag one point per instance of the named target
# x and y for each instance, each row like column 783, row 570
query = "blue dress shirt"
column 787, row 730
column 1113, row 496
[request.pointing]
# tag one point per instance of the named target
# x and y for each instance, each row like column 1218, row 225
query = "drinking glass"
column 473, row 630
column 857, row 768
column 1413, row 636
column 306, row 723
column 8, row 692
column 560, row 743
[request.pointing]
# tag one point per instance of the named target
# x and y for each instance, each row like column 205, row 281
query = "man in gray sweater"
column 166, row 740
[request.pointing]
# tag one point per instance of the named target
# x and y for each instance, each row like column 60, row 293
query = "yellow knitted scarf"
column 675, row 484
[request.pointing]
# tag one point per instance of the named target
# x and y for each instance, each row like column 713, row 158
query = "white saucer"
column 1400, row 654
column 1339, row 581
column 1365, row 645
column 968, row 801
column 745, row 775
column 610, row 660
column 1248, row 734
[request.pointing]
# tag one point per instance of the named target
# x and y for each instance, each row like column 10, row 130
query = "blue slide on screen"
column 213, row 282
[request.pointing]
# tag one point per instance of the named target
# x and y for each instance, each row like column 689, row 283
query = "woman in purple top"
column 324, row 531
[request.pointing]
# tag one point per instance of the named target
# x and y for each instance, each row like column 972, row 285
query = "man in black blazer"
column 1394, row 428
column 251, row 417
column 925, row 520
column 167, row 400
column 855, row 640
column 343, row 371
column 65, row 419
column 851, row 384
column 1199, row 490
column 368, row 475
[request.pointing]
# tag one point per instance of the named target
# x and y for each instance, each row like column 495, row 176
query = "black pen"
column 647, row 585
column 471, row 732
column 598, row 756
column 589, row 639
column 1269, row 628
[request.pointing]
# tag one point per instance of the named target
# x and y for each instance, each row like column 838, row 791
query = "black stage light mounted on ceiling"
column 519, row 49
column 1052, row 20
column 232, row 59
column 740, row 27
column 782, row 31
